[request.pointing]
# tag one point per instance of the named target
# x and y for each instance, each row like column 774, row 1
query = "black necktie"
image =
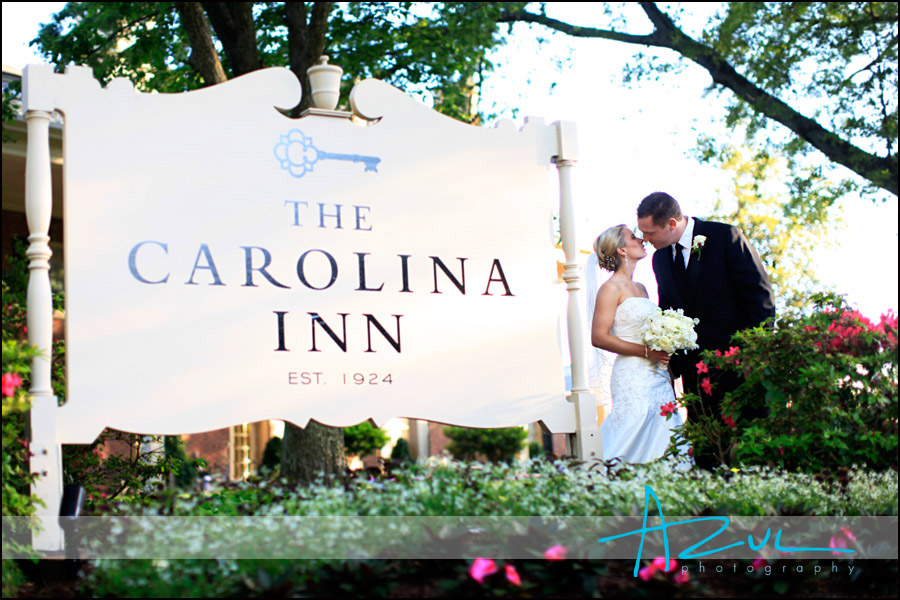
column 680, row 271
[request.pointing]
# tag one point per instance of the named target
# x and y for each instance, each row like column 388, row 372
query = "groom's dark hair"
column 661, row 207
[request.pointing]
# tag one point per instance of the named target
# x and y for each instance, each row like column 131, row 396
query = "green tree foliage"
column 438, row 50
column 783, row 217
column 827, row 71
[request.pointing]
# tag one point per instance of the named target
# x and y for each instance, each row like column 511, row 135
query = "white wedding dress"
column 635, row 431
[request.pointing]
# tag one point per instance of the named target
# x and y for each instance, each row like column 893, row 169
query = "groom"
column 711, row 271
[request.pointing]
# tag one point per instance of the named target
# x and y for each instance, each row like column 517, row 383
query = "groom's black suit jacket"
column 727, row 290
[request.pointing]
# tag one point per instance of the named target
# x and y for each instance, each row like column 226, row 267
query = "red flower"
column 707, row 386
column 780, row 450
column 512, row 576
column 646, row 573
column 556, row 552
column 760, row 562
column 667, row 409
column 11, row 382
column 732, row 351
column 701, row 367
column 729, row 421
column 481, row 568
column 681, row 578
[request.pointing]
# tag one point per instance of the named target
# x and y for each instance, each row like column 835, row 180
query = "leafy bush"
column 183, row 470
column 400, row 452
column 495, row 445
column 271, row 460
column 364, row 439
column 826, row 383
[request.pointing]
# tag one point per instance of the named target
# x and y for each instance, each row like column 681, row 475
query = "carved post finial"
column 325, row 82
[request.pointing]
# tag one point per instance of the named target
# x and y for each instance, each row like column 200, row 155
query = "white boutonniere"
column 697, row 245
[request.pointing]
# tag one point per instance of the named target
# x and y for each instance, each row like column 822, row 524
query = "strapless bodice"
column 630, row 317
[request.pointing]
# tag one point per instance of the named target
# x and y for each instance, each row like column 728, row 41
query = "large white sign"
column 227, row 264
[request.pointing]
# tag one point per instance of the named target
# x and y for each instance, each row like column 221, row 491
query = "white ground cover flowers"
column 670, row 330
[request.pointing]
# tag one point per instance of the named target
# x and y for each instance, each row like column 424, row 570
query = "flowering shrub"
column 17, row 501
column 444, row 488
column 825, row 385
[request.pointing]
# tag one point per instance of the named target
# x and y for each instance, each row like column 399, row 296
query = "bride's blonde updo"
column 606, row 245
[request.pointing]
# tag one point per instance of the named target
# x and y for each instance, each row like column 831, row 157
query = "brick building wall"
column 211, row 445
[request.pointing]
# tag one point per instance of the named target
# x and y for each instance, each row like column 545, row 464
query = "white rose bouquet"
column 670, row 330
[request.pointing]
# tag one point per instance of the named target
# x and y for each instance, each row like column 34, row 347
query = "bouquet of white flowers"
column 669, row 330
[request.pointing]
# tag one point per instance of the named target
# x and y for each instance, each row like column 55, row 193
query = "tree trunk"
column 307, row 453
column 317, row 448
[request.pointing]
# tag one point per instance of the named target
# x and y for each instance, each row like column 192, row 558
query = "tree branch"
column 204, row 58
column 881, row 171
column 522, row 16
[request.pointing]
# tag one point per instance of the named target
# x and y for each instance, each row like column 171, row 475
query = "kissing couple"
column 707, row 269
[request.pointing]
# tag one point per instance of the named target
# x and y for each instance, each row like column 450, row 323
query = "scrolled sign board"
column 227, row 264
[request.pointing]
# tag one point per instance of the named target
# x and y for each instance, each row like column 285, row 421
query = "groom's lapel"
column 695, row 266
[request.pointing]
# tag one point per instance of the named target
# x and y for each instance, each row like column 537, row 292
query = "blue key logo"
column 297, row 155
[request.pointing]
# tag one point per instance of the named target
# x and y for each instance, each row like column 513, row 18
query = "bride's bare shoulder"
column 610, row 292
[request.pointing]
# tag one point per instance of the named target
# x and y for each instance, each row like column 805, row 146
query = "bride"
column 635, row 431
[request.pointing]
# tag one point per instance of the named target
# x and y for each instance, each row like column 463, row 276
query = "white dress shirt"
column 687, row 238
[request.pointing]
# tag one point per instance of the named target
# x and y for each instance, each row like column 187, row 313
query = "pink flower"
column 838, row 542
column 759, row 563
column 646, row 573
column 667, row 409
column 702, row 368
column 556, row 552
column 706, row 385
column 846, row 531
column 659, row 563
column 11, row 382
column 481, row 568
column 681, row 578
column 732, row 351
column 512, row 576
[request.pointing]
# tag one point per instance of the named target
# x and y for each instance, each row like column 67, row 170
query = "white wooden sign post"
column 226, row 264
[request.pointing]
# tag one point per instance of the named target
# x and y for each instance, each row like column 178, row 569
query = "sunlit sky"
column 633, row 141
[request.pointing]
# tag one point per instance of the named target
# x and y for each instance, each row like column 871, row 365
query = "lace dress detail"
column 635, row 431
